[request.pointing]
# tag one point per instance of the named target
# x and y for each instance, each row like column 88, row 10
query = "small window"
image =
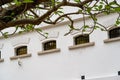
column 49, row 45
column 21, row 50
column 114, row 33
column 81, row 39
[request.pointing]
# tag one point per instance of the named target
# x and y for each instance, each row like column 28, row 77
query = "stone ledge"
column 49, row 51
column 20, row 56
column 112, row 40
column 81, row 45
column 1, row 60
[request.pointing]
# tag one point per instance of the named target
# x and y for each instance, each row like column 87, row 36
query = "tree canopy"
column 28, row 13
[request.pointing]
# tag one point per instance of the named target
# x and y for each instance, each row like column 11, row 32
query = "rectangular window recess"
column 20, row 56
column 49, row 51
column 112, row 40
column 1, row 60
column 81, row 45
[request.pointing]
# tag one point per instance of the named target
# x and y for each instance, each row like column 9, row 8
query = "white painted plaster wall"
column 96, row 61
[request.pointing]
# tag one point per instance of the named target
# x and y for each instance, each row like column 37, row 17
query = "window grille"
column 81, row 39
column 21, row 50
column 114, row 33
column 49, row 45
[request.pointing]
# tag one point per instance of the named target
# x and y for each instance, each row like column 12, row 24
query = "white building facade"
column 97, row 59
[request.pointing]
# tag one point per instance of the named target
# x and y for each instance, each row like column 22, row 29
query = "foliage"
column 28, row 13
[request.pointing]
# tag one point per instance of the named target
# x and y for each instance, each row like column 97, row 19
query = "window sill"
column 81, row 45
column 1, row 60
column 20, row 56
column 49, row 51
column 112, row 40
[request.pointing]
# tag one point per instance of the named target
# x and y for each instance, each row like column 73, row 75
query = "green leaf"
column 17, row 2
column 88, row 9
column 77, row 0
column 117, row 9
column 101, row 2
column 117, row 22
column 86, row 26
column 53, row 3
column 60, row 11
column 46, row 33
column 62, row 19
column 20, row 32
column 83, row 30
column 71, row 27
column 96, row 27
column 102, row 29
column 38, row 29
column 79, row 11
column 94, row 18
column 107, row 7
column 5, row 34
column 100, row 7
column 30, row 27
column 27, row 1
column 112, row 3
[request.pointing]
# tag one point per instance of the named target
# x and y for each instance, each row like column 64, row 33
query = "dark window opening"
column 114, row 33
column 82, row 77
column 49, row 45
column 81, row 39
column 21, row 50
column 119, row 73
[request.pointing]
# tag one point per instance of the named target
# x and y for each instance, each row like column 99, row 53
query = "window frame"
column 110, row 36
column 15, row 57
column 1, row 59
column 20, row 47
column 47, row 42
column 50, row 51
column 74, row 39
column 109, row 40
column 82, row 45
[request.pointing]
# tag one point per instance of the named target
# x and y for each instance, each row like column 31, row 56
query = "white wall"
column 99, row 60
